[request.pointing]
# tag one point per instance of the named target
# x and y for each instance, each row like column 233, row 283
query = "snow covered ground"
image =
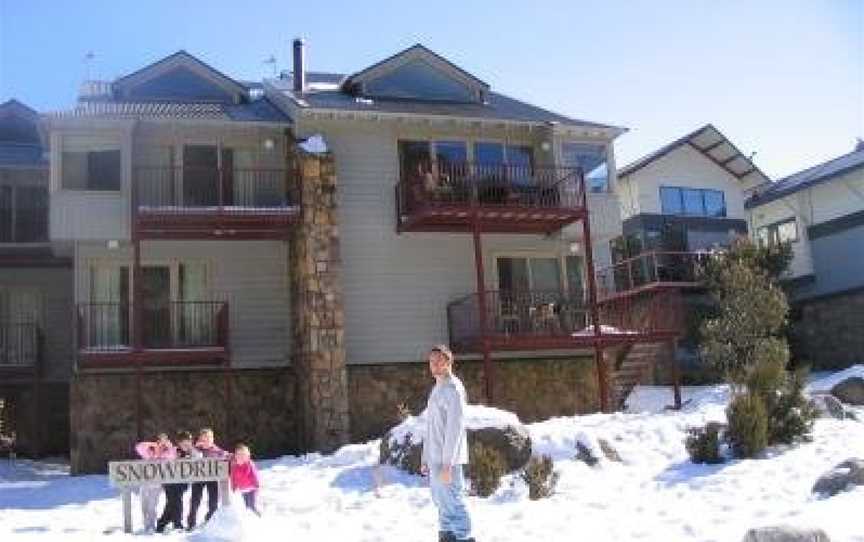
column 656, row 494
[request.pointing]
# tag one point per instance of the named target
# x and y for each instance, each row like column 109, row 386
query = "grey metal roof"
column 21, row 155
column 261, row 110
column 714, row 145
column 324, row 92
column 811, row 176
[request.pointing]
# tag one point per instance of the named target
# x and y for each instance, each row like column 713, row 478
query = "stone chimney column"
column 316, row 306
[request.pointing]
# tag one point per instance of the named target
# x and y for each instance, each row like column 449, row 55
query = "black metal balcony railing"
column 185, row 190
column 540, row 319
column 489, row 185
column 19, row 344
column 655, row 267
column 173, row 325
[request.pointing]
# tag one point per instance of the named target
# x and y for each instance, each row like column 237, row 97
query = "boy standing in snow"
column 162, row 450
column 244, row 476
column 208, row 448
column 173, row 512
column 445, row 448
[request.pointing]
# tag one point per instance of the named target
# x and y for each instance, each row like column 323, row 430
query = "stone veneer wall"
column 318, row 318
column 829, row 332
column 258, row 410
column 535, row 389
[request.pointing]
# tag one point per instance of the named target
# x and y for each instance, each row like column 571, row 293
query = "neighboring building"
column 35, row 292
column 820, row 211
column 274, row 259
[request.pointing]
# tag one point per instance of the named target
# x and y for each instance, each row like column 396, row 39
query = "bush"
column 748, row 425
column 703, row 443
column 486, row 469
column 540, row 476
column 790, row 413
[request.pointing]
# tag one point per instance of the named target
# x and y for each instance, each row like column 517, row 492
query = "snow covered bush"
column 748, row 425
column 703, row 443
column 790, row 412
column 540, row 476
column 485, row 470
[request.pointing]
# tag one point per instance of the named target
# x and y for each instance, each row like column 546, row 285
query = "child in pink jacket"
column 160, row 450
column 244, row 476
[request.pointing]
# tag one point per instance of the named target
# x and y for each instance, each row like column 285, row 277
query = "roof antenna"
column 88, row 65
column 272, row 61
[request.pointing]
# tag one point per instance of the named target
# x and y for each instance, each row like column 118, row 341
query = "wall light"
column 269, row 144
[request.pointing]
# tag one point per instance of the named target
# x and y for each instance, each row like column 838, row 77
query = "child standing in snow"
column 244, row 476
column 207, row 446
column 173, row 512
column 161, row 450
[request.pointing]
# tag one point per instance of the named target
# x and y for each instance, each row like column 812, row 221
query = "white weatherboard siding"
column 820, row 203
column 685, row 167
column 251, row 275
column 54, row 287
column 397, row 287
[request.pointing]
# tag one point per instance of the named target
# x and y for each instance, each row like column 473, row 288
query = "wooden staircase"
column 633, row 365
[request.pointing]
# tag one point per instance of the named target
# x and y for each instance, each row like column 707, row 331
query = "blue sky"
column 783, row 78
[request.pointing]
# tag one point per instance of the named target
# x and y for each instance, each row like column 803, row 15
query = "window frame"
column 561, row 258
column 14, row 214
column 772, row 232
column 683, row 212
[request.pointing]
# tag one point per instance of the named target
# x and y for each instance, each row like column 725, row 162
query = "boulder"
column 609, row 451
column 591, row 450
column 850, row 390
column 500, row 430
column 784, row 533
column 842, row 477
column 828, row 406
column 585, row 454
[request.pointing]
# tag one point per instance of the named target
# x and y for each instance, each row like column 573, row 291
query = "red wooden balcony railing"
column 108, row 327
column 529, row 320
column 20, row 345
column 651, row 268
column 448, row 195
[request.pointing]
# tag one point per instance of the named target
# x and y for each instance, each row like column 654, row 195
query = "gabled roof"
column 715, row 146
column 324, row 92
column 179, row 60
column 818, row 174
column 20, row 139
column 355, row 82
column 14, row 107
column 258, row 110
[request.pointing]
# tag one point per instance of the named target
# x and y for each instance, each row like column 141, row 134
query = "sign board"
column 126, row 475
column 181, row 471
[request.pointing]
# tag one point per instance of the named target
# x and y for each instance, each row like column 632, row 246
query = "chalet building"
column 820, row 211
column 36, row 294
column 274, row 259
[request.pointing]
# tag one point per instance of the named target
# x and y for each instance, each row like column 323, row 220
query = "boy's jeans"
column 149, row 500
column 450, row 500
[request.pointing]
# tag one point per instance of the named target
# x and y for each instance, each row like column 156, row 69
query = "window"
column 23, row 214
column 592, row 160
column 785, row 231
column 540, row 273
column 97, row 170
column 692, row 201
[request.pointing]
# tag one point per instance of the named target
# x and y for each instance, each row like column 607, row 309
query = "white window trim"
column 538, row 254
column 172, row 263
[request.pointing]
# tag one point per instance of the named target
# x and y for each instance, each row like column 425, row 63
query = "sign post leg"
column 127, row 510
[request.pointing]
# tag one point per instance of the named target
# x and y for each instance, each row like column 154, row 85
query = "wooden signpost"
column 127, row 475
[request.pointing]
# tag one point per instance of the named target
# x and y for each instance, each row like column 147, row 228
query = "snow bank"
column 476, row 417
column 824, row 385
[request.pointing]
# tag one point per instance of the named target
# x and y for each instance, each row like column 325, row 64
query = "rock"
column 610, row 452
column 828, row 406
column 402, row 445
column 850, row 391
column 842, row 477
column 585, row 454
column 785, row 533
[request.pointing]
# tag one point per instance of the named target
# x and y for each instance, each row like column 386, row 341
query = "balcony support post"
column 488, row 376
column 602, row 377
column 137, row 327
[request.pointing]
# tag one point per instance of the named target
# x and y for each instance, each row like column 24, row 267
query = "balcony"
column 454, row 196
column 654, row 269
column 213, row 203
column 542, row 320
column 20, row 349
column 176, row 333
